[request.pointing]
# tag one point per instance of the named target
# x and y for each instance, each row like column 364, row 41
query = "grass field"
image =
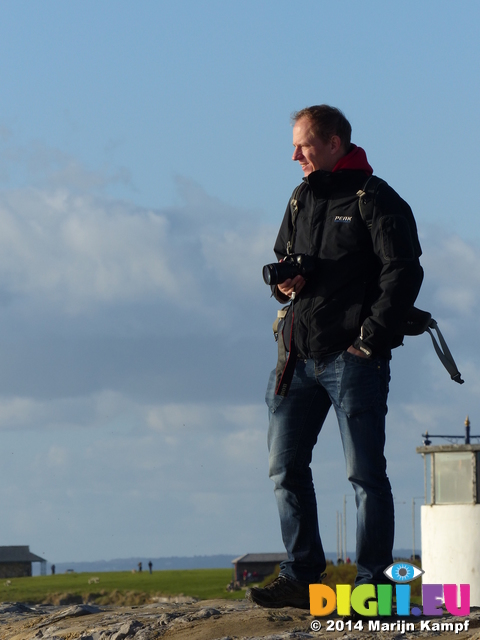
column 124, row 587
column 120, row 587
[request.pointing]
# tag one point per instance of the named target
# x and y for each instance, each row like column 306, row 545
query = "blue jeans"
column 357, row 388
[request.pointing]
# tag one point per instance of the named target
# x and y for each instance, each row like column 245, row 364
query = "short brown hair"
column 327, row 122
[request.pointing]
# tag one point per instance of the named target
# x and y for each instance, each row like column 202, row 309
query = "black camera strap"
column 286, row 359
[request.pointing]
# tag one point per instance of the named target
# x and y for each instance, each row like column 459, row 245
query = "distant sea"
column 221, row 561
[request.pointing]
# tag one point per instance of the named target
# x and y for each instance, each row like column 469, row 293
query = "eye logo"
column 402, row 572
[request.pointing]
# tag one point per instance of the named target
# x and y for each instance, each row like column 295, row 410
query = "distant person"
column 150, row 565
column 349, row 271
column 139, row 567
column 53, row 569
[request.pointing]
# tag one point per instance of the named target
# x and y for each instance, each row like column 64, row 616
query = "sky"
column 145, row 166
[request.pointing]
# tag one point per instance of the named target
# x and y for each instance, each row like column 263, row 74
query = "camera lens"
column 270, row 274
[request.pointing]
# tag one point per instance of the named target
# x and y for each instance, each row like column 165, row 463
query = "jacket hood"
column 355, row 159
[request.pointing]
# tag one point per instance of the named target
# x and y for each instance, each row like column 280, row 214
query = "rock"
column 15, row 607
column 206, row 613
column 127, row 630
column 207, row 620
column 72, row 612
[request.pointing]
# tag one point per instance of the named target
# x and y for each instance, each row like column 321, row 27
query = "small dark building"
column 258, row 564
column 16, row 562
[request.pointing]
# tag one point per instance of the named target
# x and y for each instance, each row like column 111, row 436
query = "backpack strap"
column 443, row 352
column 294, row 209
column 366, row 199
column 416, row 323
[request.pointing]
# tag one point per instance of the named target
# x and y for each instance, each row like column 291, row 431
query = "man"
column 344, row 318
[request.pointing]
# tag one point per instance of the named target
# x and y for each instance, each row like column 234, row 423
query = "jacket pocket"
column 396, row 239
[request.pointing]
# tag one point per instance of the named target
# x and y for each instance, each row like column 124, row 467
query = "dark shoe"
column 282, row 592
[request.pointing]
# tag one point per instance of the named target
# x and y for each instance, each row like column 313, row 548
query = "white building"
column 450, row 521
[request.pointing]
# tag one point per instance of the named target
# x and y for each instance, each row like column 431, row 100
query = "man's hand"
column 356, row 352
column 292, row 285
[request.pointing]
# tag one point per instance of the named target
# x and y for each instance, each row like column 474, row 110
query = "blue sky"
column 144, row 169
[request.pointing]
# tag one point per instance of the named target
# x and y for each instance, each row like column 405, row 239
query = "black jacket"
column 364, row 281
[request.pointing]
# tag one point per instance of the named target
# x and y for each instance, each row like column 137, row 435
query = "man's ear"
column 335, row 144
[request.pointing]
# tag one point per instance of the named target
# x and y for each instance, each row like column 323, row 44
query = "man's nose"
column 297, row 154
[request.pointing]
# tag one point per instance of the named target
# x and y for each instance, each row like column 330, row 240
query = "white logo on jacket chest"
column 343, row 218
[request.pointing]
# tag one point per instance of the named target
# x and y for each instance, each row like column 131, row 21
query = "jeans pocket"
column 360, row 383
column 273, row 401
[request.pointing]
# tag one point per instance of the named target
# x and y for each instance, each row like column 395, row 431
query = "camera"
column 296, row 264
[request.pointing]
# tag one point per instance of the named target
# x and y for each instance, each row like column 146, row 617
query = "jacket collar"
column 349, row 172
column 355, row 159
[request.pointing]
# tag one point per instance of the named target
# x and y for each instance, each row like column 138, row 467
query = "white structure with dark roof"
column 451, row 516
column 261, row 564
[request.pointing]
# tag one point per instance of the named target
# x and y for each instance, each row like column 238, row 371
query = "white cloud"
column 79, row 251
column 18, row 411
column 453, row 264
column 238, row 256
column 174, row 418
column 93, row 410
column 427, row 415
column 247, row 445
column 58, row 457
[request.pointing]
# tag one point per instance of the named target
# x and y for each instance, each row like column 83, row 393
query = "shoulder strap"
column 366, row 199
column 294, row 208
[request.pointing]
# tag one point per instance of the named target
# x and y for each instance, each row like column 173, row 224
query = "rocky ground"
column 204, row 620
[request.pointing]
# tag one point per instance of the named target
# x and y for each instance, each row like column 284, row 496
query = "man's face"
column 310, row 151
